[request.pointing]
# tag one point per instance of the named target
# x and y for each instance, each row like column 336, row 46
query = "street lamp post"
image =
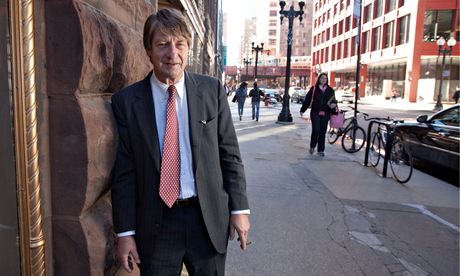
column 257, row 49
column 442, row 49
column 247, row 62
column 285, row 114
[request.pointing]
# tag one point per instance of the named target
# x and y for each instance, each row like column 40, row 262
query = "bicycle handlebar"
column 357, row 111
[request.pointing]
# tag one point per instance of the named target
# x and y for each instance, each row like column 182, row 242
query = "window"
column 326, row 51
column 333, row 53
column 335, row 9
column 378, row 8
column 391, row 5
column 334, row 30
column 376, row 41
column 347, row 24
column 388, row 29
column 340, row 30
column 364, row 48
column 437, row 24
column 272, row 32
column 273, row 13
column 328, row 34
column 367, row 13
column 345, row 48
column 403, row 30
column 272, row 23
column 339, row 50
column 328, row 14
column 353, row 46
column 271, row 41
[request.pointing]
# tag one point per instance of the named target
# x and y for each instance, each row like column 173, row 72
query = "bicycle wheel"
column 332, row 135
column 375, row 150
column 400, row 161
column 353, row 139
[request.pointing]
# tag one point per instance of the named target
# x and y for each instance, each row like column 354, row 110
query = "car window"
column 449, row 118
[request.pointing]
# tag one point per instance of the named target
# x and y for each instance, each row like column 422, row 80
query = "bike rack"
column 388, row 145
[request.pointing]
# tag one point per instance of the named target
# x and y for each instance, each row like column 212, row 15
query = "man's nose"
column 172, row 50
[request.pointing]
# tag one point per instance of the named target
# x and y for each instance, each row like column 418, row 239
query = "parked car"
column 298, row 96
column 434, row 140
column 292, row 89
column 272, row 95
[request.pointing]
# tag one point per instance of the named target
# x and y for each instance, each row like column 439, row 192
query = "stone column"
column 93, row 48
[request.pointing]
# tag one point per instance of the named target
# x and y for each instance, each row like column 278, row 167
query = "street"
column 332, row 216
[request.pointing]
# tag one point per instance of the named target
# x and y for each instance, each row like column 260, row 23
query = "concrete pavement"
column 331, row 215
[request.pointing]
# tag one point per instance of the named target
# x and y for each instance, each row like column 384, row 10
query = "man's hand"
column 301, row 114
column 127, row 252
column 240, row 223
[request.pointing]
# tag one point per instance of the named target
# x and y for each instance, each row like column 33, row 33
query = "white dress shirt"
column 160, row 99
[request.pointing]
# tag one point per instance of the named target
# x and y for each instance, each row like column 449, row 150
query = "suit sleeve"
column 123, row 184
column 230, row 159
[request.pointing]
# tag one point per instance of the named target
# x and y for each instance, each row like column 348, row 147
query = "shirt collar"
column 180, row 85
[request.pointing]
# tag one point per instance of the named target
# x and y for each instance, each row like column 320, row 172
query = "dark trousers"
column 183, row 239
column 255, row 110
column 318, row 130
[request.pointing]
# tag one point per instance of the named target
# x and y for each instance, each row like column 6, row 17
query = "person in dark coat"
column 322, row 99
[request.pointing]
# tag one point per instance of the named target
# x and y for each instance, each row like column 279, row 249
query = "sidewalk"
column 313, row 215
column 400, row 104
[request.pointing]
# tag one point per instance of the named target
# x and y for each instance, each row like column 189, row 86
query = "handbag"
column 337, row 119
column 234, row 99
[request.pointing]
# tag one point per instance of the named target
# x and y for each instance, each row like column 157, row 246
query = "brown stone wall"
column 93, row 48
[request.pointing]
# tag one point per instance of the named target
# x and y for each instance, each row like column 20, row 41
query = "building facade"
column 398, row 46
column 60, row 62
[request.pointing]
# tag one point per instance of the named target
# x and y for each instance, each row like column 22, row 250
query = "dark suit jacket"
column 217, row 165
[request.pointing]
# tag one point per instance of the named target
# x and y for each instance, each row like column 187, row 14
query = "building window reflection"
column 436, row 24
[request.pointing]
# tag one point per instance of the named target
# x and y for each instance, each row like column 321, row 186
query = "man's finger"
column 125, row 263
column 136, row 257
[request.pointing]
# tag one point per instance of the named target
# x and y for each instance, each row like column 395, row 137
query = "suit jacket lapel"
column 195, row 111
column 145, row 115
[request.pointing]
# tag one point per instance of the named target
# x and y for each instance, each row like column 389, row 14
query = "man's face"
column 169, row 56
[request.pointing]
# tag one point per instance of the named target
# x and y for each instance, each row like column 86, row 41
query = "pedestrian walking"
column 178, row 187
column 240, row 96
column 394, row 94
column 456, row 95
column 256, row 94
column 322, row 99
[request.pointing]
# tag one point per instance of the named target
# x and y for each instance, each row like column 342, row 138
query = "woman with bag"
column 322, row 99
column 240, row 96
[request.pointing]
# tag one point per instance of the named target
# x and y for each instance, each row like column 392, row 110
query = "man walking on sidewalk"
column 256, row 94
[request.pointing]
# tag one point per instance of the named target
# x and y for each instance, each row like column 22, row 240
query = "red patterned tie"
column 170, row 164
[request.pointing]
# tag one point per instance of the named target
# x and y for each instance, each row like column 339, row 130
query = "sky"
column 237, row 11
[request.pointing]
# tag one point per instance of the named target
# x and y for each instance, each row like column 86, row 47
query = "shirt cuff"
column 241, row 212
column 127, row 233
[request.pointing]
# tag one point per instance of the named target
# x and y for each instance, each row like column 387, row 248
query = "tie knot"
column 172, row 90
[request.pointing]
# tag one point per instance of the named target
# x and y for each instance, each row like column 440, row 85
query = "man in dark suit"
column 178, row 188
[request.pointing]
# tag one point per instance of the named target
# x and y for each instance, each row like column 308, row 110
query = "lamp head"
column 440, row 41
column 252, row 44
column 282, row 4
column 451, row 42
column 262, row 45
column 301, row 5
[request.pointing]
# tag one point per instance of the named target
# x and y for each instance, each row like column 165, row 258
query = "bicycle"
column 400, row 158
column 353, row 136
